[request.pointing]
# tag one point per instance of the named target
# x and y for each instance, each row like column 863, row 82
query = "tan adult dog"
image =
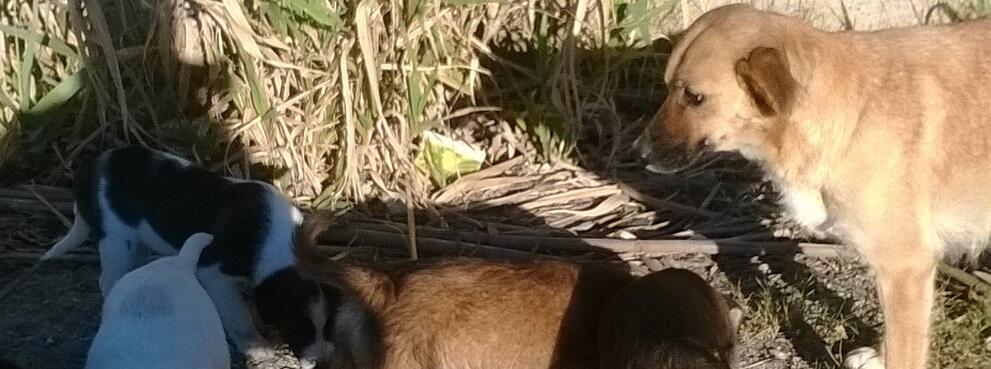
column 882, row 139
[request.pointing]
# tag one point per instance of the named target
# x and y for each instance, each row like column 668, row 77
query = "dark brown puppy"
column 466, row 313
column 669, row 319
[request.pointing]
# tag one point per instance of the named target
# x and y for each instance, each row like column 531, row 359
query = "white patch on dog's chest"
column 805, row 206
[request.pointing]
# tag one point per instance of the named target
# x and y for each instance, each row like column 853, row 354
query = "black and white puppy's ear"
column 356, row 333
column 298, row 309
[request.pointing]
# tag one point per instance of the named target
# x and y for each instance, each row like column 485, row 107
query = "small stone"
column 639, row 270
column 840, row 331
column 764, row 268
column 626, row 235
column 780, row 355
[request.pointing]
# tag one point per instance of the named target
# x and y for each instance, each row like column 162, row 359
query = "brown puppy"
column 882, row 139
column 668, row 319
column 466, row 313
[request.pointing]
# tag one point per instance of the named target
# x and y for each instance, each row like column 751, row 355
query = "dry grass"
column 329, row 96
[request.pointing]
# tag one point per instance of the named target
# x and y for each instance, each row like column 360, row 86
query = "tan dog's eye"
column 693, row 98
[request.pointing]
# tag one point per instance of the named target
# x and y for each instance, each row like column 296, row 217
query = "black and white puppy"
column 139, row 203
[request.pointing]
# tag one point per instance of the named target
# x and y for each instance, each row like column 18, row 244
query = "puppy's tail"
column 77, row 235
column 189, row 255
column 313, row 262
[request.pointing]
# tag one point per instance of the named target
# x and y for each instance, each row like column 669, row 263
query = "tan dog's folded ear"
column 766, row 77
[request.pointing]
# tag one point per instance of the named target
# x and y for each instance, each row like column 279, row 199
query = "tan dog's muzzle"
column 662, row 152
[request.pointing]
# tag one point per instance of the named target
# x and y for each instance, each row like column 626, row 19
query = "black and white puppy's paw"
column 158, row 316
column 261, row 353
column 139, row 203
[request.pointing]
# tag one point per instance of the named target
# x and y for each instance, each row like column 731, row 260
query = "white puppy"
column 159, row 316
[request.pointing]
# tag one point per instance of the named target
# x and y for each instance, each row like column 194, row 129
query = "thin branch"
column 965, row 278
column 661, row 204
column 452, row 240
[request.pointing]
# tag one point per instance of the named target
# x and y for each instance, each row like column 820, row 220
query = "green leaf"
column 315, row 11
column 24, row 85
column 258, row 98
column 446, row 159
column 319, row 13
column 61, row 94
column 366, row 118
column 414, row 9
column 24, row 80
column 637, row 15
column 276, row 17
column 56, row 45
column 417, row 100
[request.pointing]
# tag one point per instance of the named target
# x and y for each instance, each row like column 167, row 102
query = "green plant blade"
column 59, row 95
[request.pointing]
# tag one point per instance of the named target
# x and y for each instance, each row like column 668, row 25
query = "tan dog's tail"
column 76, row 236
column 189, row 255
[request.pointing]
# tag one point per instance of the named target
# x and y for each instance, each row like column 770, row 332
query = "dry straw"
column 329, row 96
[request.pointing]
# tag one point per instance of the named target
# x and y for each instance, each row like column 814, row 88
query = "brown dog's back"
column 465, row 313
column 482, row 314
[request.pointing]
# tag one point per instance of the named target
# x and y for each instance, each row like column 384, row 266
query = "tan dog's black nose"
column 644, row 145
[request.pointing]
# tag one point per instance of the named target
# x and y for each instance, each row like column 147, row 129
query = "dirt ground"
column 51, row 318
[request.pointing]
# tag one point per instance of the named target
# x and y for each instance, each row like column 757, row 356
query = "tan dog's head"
column 730, row 88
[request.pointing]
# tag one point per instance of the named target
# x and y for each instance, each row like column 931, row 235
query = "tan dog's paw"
column 863, row 358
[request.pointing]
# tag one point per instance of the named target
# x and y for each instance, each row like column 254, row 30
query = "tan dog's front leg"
column 905, row 278
column 907, row 295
